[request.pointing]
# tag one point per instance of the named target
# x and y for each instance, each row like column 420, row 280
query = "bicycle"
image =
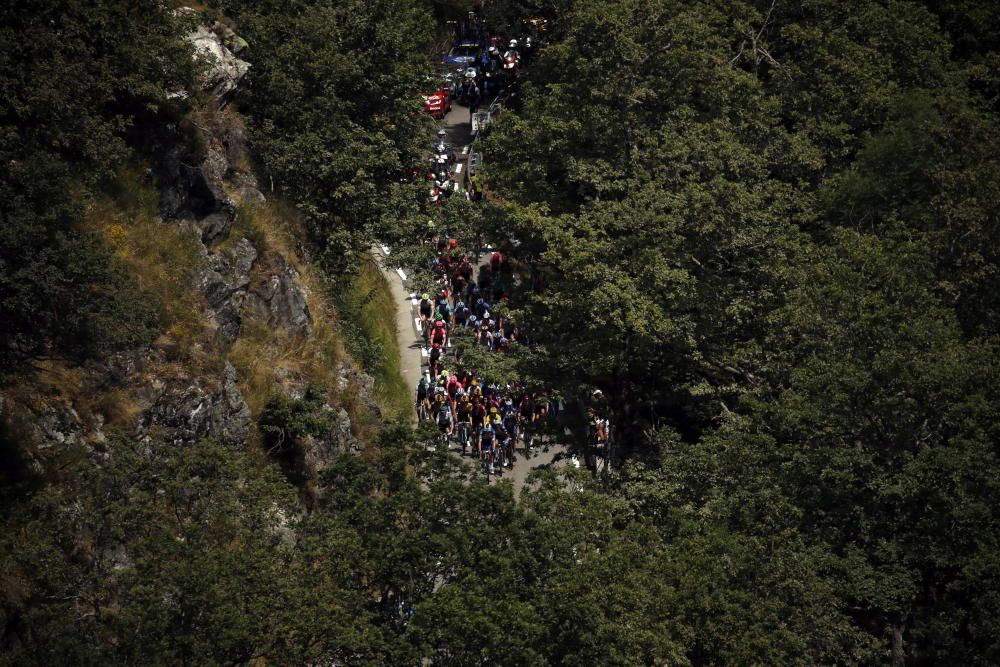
column 446, row 439
column 463, row 435
column 486, row 463
column 507, row 453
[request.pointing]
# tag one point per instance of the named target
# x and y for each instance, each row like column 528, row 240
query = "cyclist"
column 510, row 420
column 466, row 270
column 487, row 439
column 480, row 307
column 425, row 409
column 444, row 310
column 445, row 422
column 502, row 449
column 464, row 412
column 478, row 412
column 437, row 403
column 461, row 312
column 425, row 309
column 421, row 393
column 458, row 283
column 452, row 388
column 434, row 361
column 541, row 406
column 439, row 333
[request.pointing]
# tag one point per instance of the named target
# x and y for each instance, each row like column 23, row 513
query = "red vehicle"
column 438, row 103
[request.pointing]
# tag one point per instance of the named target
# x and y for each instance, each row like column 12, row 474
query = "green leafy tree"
column 76, row 79
column 334, row 112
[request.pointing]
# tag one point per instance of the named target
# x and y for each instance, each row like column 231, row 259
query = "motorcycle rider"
column 473, row 96
column 491, row 71
column 511, row 55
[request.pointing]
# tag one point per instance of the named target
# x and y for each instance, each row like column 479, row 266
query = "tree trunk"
column 898, row 655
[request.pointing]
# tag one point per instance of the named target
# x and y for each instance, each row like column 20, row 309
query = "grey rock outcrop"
column 225, row 70
column 183, row 411
column 224, row 282
column 197, row 192
column 279, row 299
column 349, row 376
column 305, row 459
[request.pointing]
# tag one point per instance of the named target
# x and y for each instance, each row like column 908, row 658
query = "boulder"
column 278, row 298
column 304, row 459
column 224, row 70
column 365, row 384
column 184, row 412
column 224, row 282
column 197, row 191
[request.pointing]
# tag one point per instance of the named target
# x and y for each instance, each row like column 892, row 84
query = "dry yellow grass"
column 164, row 257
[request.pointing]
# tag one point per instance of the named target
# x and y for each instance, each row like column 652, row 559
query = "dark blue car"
column 464, row 53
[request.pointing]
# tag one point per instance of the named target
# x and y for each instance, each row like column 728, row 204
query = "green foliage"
column 158, row 556
column 768, row 232
column 334, row 117
column 285, row 420
column 366, row 314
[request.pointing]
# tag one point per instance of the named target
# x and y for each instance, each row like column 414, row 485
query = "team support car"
column 538, row 23
column 438, row 103
column 464, row 53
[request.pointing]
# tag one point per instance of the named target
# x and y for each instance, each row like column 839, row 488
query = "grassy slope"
column 368, row 319
column 356, row 321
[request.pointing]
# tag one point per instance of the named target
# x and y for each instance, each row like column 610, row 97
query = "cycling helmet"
column 461, row 391
column 493, row 411
column 493, row 50
column 444, row 375
column 425, row 295
column 439, row 322
column 464, row 398
column 442, row 133
column 513, row 44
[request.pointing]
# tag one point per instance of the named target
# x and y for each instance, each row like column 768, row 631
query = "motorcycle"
column 511, row 65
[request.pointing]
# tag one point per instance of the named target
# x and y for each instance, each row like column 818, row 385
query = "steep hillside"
column 242, row 313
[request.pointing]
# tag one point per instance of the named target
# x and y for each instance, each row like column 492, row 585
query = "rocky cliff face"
column 240, row 282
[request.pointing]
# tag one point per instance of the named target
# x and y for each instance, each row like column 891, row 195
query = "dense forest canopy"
column 767, row 230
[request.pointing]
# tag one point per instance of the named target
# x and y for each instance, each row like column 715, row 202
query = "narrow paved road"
column 457, row 124
column 410, row 343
